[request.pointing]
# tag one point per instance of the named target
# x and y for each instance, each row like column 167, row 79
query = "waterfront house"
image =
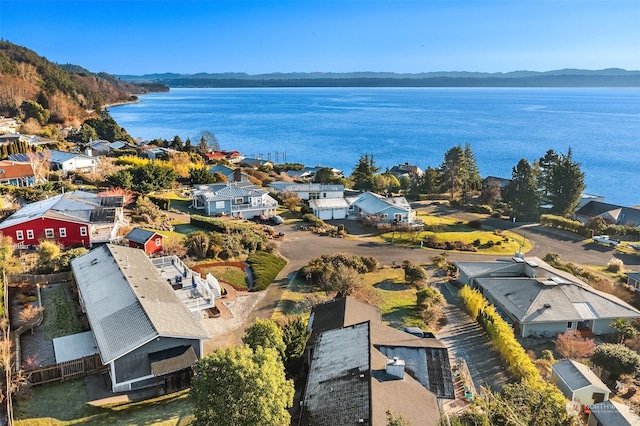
column 238, row 199
column 16, row 174
column 406, row 170
column 143, row 332
column 540, row 300
column 75, row 218
column 8, row 125
column 149, row 241
column 254, row 163
column 612, row 413
column 578, row 383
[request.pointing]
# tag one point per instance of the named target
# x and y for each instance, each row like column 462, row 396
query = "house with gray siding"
column 237, row 199
column 540, row 300
column 144, row 334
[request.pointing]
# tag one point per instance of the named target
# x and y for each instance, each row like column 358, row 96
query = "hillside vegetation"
column 34, row 89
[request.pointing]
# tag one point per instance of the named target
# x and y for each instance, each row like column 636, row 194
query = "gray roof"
column 140, row 235
column 373, row 204
column 607, row 414
column 577, row 375
column 336, row 393
column 128, row 303
column 228, row 191
column 305, row 187
column 547, row 295
column 328, row 203
column 76, row 206
column 620, row 215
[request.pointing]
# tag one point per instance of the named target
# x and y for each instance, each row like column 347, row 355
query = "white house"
column 309, row 191
column 65, row 162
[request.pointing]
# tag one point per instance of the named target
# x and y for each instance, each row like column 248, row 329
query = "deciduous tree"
column 267, row 334
column 240, row 386
column 571, row 344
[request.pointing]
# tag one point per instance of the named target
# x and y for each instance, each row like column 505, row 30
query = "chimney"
column 237, row 175
column 395, row 368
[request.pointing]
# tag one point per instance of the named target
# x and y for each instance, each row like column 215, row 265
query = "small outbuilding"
column 149, row 241
column 578, row 383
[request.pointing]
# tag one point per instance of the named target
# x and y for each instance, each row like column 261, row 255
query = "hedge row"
column 217, row 225
column 504, row 340
column 265, row 267
column 563, row 223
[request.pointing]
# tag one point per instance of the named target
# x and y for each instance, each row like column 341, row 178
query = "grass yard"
column 60, row 317
column 384, row 288
column 231, row 274
column 66, row 404
column 491, row 242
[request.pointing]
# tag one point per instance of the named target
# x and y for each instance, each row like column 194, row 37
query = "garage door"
column 339, row 213
column 324, row 214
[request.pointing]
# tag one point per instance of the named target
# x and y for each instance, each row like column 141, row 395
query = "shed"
column 578, row 383
column 149, row 241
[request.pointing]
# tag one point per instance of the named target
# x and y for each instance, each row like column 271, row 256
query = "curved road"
column 298, row 247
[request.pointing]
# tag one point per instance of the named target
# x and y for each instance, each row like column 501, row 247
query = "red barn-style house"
column 75, row 218
column 149, row 241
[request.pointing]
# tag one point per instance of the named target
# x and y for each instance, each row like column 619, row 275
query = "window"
column 570, row 324
column 83, row 231
column 19, row 235
column 30, row 234
column 219, row 205
column 158, row 242
column 384, row 216
column 49, row 233
column 238, row 201
column 63, row 232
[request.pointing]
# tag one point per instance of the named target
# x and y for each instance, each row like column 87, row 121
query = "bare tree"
column 41, row 163
column 571, row 344
column 207, row 140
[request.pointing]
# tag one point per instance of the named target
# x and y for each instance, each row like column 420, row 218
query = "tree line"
column 554, row 182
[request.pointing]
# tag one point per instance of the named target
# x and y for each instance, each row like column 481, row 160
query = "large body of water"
column 335, row 126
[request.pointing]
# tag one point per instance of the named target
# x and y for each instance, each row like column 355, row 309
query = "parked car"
column 276, row 220
column 604, row 239
column 260, row 218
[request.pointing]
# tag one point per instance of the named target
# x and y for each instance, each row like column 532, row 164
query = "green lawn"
column 395, row 299
column 231, row 274
column 66, row 404
column 60, row 317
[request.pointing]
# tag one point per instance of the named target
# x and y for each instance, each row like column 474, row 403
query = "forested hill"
column 612, row 77
column 32, row 87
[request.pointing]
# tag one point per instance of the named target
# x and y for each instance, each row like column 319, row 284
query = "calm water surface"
column 335, row 126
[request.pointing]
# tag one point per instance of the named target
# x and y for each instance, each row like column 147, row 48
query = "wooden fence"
column 36, row 279
column 68, row 370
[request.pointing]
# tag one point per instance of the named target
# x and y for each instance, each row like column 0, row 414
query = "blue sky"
column 190, row 36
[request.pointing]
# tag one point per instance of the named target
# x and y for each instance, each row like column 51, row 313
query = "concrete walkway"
column 466, row 339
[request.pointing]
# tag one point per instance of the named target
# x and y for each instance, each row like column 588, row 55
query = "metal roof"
column 577, row 375
column 128, row 303
column 328, row 203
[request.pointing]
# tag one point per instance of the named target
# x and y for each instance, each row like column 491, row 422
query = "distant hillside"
column 613, row 77
column 31, row 87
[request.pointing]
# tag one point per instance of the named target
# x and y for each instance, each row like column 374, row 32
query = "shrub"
column 617, row 359
column 314, row 220
column 615, row 265
column 265, row 268
column 475, row 224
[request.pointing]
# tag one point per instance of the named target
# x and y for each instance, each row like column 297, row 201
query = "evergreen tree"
column 364, row 172
column 453, row 170
column 176, row 143
column 471, row 180
column 522, row 193
column 565, row 184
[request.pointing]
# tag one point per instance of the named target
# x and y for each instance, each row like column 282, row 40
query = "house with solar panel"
column 237, row 199
column 75, row 218
column 539, row 300
column 145, row 335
